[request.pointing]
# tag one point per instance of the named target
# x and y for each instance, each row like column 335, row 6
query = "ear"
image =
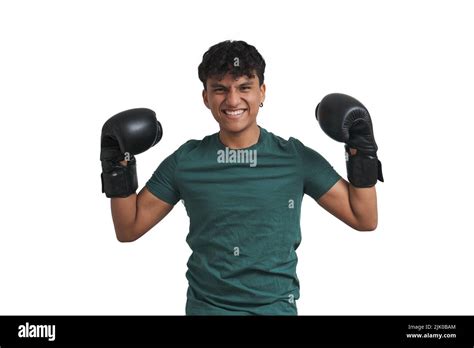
column 204, row 98
column 263, row 89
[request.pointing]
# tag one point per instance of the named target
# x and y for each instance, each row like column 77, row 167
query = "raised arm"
column 124, row 135
column 345, row 119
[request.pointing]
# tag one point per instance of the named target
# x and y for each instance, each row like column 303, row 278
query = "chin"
column 234, row 128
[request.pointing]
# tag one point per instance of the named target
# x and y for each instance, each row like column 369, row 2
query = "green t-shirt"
column 244, row 208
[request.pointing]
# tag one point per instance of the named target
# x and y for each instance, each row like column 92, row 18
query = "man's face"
column 234, row 102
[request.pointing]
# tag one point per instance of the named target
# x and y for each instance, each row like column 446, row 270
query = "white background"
column 67, row 66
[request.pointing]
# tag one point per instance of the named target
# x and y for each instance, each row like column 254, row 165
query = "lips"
column 233, row 113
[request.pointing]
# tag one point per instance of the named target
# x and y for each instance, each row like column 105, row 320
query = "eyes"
column 222, row 90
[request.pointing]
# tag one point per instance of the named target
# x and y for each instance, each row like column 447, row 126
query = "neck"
column 240, row 140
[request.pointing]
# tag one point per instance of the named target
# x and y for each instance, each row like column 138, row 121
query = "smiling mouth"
column 234, row 113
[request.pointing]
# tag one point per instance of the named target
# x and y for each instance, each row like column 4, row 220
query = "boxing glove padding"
column 345, row 119
column 124, row 135
column 134, row 131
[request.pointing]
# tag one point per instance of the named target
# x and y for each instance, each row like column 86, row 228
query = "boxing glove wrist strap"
column 363, row 169
column 119, row 180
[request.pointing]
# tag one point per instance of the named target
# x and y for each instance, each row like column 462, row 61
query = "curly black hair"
column 235, row 57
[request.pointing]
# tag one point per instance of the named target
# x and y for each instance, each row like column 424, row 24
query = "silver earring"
column 261, row 105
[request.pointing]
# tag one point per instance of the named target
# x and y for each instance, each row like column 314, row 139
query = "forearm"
column 124, row 211
column 363, row 203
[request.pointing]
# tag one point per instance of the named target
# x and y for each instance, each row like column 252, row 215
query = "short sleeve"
column 162, row 183
column 318, row 174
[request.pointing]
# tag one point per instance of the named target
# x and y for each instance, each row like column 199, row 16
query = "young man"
column 242, row 187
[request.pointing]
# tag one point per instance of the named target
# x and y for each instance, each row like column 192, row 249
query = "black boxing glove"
column 346, row 120
column 124, row 135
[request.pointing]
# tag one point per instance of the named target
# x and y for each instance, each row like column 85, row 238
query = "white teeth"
column 234, row 113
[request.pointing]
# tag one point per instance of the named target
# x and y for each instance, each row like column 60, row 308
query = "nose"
column 233, row 98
